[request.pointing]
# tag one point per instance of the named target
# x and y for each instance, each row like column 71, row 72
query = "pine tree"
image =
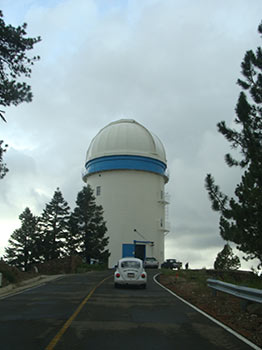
column 22, row 244
column 226, row 260
column 91, row 227
column 14, row 63
column 72, row 239
column 53, row 227
column 3, row 168
column 241, row 216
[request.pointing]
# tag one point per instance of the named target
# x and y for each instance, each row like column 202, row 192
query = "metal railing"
column 164, row 198
column 245, row 293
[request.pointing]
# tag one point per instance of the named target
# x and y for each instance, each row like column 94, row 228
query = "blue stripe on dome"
column 125, row 162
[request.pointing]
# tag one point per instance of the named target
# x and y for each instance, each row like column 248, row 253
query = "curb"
column 17, row 287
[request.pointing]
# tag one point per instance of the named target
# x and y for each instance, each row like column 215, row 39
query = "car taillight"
column 118, row 275
column 143, row 275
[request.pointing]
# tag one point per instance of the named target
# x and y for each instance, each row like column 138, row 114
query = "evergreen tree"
column 91, row 226
column 3, row 168
column 14, row 63
column 22, row 245
column 72, row 240
column 53, row 227
column 241, row 216
column 226, row 260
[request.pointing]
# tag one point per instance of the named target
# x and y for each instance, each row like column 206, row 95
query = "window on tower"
column 98, row 190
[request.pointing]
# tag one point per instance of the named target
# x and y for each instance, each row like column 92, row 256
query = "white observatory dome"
column 126, row 137
column 126, row 167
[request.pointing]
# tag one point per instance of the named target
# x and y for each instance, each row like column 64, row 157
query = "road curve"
column 79, row 312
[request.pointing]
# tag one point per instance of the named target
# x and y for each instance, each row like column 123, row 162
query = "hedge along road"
column 84, row 311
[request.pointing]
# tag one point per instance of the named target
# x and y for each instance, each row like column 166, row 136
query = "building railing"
column 165, row 198
column 167, row 174
column 245, row 293
column 165, row 226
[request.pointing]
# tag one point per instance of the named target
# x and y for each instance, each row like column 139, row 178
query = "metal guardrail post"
column 214, row 292
column 244, row 304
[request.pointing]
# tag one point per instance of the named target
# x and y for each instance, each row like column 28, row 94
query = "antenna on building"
column 140, row 234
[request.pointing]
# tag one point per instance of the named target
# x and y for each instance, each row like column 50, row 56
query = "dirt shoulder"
column 223, row 307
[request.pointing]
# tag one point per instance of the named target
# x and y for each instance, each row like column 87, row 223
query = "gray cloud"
column 170, row 65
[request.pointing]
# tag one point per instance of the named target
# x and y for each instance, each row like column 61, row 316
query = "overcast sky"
column 170, row 65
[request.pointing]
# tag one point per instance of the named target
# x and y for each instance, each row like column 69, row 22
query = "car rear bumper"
column 130, row 282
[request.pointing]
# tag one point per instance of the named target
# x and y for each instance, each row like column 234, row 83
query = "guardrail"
column 245, row 293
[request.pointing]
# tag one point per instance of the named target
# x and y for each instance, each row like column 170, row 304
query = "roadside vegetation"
column 59, row 233
column 91, row 267
column 70, row 264
column 12, row 275
column 244, row 278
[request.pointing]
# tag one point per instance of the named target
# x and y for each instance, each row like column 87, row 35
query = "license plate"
column 131, row 275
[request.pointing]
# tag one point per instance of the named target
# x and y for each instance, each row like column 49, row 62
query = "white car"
column 130, row 271
column 151, row 262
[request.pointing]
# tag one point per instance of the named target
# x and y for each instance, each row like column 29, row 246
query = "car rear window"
column 133, row 264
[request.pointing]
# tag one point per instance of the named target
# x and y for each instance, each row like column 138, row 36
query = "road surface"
column 86, row 312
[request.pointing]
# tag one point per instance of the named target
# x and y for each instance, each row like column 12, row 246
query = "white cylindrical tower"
column 126, row 167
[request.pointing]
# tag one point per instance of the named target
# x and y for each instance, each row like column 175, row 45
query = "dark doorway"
column 140, row 251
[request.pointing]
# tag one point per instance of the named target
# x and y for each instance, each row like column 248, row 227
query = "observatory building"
column 126, row 167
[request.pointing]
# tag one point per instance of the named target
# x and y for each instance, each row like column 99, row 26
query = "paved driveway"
column 76, row 313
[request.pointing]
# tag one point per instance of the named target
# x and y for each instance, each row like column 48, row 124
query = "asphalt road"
column 76, row 313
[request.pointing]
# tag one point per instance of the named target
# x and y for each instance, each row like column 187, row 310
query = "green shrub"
column 91, row 267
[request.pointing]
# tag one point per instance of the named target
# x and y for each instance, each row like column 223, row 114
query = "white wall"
column 131, row 200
